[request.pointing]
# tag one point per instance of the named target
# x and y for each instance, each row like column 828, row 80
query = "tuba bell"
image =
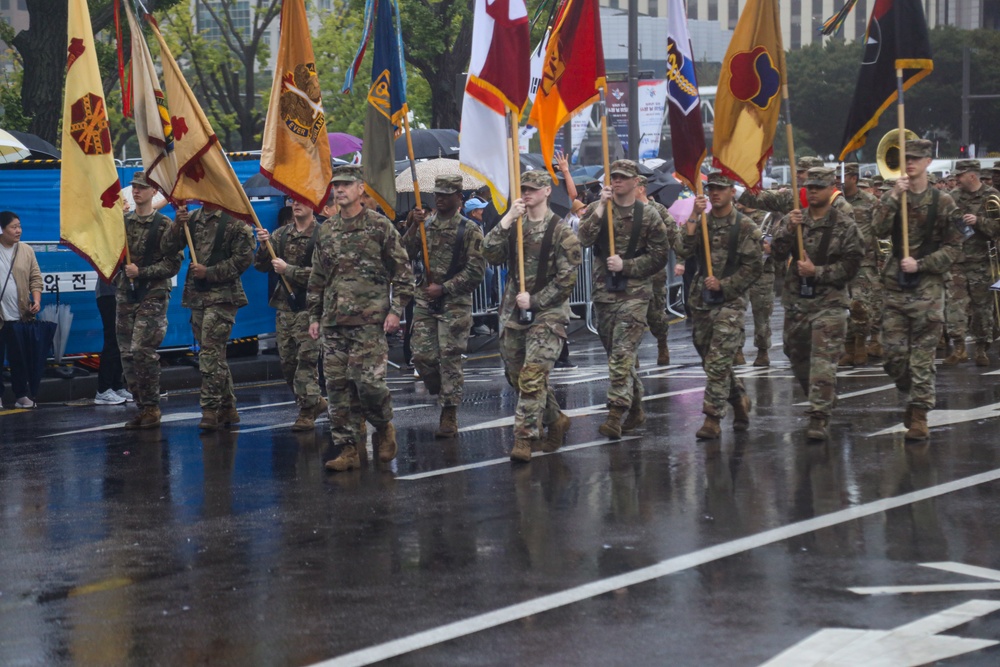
column 991, row 207
column 890, row 162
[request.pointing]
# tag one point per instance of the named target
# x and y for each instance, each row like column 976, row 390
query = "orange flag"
column 296, row 152
column 203, row 172
column 90, row 208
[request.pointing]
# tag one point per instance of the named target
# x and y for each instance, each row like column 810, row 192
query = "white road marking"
column 852, row 394
column 957, row 568
column 165, row 419
column 492, row 619
column 496, row 462
column 909, row 645
column 323, row 419
column 575, row 412
column 947, row 417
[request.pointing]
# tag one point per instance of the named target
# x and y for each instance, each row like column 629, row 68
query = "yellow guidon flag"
column 747, row 102
column 90, row 207
column 296, row 152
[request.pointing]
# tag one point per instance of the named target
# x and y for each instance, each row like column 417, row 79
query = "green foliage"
column 13, row 116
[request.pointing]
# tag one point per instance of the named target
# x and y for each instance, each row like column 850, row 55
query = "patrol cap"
column 919, row 148
column 932, row 178
column 864, row 183
column 986, row 172
column 536, row 179
column 821, row 176
column 641, row 181
column 719, row 179
column 346, row 173
column 139, row 178
column 963, row 166
column 887, row 185
column 447, row 184
column 808, row 162
column 852, row 169
column 625, row 168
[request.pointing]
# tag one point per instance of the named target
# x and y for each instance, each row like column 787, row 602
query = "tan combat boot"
column 384, row 442
column 346, row 460
column 763, row 359
column 521, row 451
column 817, row 429
column 635, row 418
column 982, row 358
column 556, row 435
column 958, row 355
column 918, row 429
column 448, row 424
column 875, row 347
column 908, row 416
column 741, row 413
column 710, row 430
column 847, row 359
column 739, row 359
column 150, row 417
column 209, row 420
column 229, row 416
column 306, row 421
column 860, row 351
column 662, row 352
column 612, row 426
column 136, row 421
column 320, row 408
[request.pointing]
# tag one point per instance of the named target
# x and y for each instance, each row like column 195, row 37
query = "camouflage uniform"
column 141, row 324
column 866, row 287
column 440, row 333
column 717, row 329
column 530, row 350
column 913, row 319
column 781, row 201
column 214, row 301
column 298, row 352
column 815, row 327
column 969, row 296
column 761, row 293
column 621, row 316
column 656, row 313
column 360, row 274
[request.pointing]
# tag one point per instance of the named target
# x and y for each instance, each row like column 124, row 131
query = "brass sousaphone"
column 890, row 162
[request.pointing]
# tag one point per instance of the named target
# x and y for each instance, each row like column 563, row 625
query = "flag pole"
column 607, row 172
column 416, row 193
column 699, row 190
column 901, row 116
column 790, row 140
column 514, row 162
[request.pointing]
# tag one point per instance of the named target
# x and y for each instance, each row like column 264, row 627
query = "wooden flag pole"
column 607, row 173
column 790, row 140
column 187, row 233
column 901, row 116
column 699, row 190
column 514, row 172
column 416, row 194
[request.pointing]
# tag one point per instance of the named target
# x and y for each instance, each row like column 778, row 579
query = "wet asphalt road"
column 237, row 548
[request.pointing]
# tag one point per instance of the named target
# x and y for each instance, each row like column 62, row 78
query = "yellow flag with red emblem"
column 90, row 205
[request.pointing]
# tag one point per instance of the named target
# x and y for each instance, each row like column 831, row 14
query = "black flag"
column 896, row 39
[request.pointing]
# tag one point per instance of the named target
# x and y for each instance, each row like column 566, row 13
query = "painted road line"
column 853, row 394
column 520, row 610
column 957, row 568
column 948, row 417
column 506, row 459
column 575, row 412
column 324, row 419
column 165, row 419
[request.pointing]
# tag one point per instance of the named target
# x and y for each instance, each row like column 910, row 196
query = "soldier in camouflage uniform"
column 913, row 318
column 656, row 315
column 213, row 291
column 782, row 201
column 641, row 249
column 530, row 348
column 815, row 293
column 866, row 287
column 293, row 244
column 142, row 297
column 717, row 327
column 360, row 283
column 969, row 296
column 442, row 315
column 761, row 294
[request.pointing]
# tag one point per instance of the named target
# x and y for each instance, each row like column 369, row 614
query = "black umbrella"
column 40, row 149
column 258, row 186
column 428, row 144
column 34, row 339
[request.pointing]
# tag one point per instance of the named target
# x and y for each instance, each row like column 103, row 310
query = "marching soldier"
column 761, row 294
column 719, row 302
column 913, row 316
column 360, row 282
column 656, row 315
column 969, row 297
column 815, row 293
column 622, row 289
column 299, row 353
column 533, row 322
column 442, row 316
column 782, row 201
column 866, row 286
column 142, row 297
column 213, row 291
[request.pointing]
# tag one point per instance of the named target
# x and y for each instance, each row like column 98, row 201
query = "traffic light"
column 963, row 150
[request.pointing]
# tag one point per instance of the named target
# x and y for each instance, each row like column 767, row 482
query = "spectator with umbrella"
column 20, row 301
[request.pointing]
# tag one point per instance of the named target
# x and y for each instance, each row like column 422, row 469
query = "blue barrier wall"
column 34, row 195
